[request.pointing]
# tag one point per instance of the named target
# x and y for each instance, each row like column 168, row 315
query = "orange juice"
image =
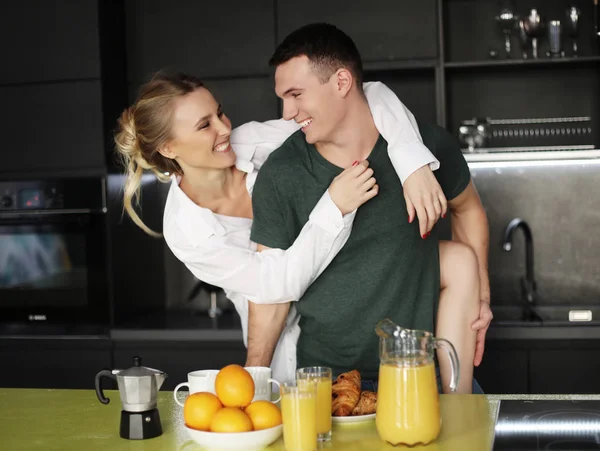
column 299, row 412
column 323, row 405
column 321, row 381
column 408, row 409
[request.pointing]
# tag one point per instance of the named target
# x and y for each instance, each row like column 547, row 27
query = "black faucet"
column 528, row 285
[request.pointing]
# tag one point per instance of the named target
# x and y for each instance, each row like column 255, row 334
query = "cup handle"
column 276, row 382
column 183, row 384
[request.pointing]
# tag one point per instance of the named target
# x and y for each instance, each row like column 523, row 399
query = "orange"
column 199, row 410
column 230, row 419
column 264, row 415
column 234, row 386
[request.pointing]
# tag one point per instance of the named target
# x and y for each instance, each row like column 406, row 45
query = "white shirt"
column 217, row 249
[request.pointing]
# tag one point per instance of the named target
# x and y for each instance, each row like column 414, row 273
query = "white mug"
column 262, row 383
column 201, row 380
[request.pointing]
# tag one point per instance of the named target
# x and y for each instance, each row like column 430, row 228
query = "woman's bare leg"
column 458, row 309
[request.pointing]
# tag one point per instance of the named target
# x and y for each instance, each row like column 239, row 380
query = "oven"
column 53, row 255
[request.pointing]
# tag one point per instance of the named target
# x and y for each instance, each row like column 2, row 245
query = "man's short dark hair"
column 327, row 47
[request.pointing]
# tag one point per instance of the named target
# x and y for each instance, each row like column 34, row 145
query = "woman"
column 177, row 128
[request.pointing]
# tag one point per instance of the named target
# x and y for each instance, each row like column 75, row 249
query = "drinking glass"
column 299, row 412
column 322, row 376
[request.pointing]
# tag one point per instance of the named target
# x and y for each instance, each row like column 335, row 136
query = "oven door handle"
column 44, row 216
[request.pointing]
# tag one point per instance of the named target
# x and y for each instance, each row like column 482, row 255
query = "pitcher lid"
column 137, row 370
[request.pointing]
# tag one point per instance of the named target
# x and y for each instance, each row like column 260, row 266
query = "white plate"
column 226, row 441
column 353, row 419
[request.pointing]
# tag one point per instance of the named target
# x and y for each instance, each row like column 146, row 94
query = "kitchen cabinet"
column 138, row 290
column 387, row 30
column 48, row 40
column 207, row 39
column 566, row 369
column 504, row 369
column 415, row 88
column 177, row 358
column 509, row 366
column 548, row 366
column 474, row 84
column 51, row 83
column 506, row 92
column 246, row 99
column 465, row 20
column 73, row 363
column 53, row 127
column 243, row 99
column 436, row 58
column 226, row 44
column 46, row 362
column 434, row 55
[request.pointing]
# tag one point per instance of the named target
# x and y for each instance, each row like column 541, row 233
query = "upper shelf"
column 428, row 64
column 544, row 61
column 374, row 66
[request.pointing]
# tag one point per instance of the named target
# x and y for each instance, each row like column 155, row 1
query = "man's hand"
column 424, row 196
column 481, row 325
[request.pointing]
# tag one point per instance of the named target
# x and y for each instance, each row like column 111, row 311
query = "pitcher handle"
column 104, row 373
column 441, row 343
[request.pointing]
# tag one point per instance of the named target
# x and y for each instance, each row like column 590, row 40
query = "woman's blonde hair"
column 143, row 129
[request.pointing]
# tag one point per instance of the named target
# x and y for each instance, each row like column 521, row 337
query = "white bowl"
column 247, row 441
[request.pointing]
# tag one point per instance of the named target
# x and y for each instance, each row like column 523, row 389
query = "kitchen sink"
column 546, row 315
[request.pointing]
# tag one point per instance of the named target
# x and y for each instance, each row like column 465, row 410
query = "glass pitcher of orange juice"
column 408, row 409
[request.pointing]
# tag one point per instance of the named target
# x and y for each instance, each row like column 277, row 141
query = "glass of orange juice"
column 322, row 376
column 299, row 412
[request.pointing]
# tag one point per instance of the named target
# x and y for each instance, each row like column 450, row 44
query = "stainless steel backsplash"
column 561, row 203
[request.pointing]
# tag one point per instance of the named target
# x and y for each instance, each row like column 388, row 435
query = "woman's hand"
column 425, row 199
column 353, row 187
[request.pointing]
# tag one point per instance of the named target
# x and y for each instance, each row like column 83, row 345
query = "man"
column 386, row 270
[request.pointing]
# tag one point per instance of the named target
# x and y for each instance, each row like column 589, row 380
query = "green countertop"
column 67, row 420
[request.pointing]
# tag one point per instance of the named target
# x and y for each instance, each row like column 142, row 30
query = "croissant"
column 345, row 393
column 367, row 404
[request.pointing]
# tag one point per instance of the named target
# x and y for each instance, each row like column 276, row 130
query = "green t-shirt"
column 385, row 270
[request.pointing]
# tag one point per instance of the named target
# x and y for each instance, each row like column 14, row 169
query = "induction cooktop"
column 547, row 425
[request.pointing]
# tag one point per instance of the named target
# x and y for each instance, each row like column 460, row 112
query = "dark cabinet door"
column 246, row 99
column 43, row 40
column 53, row 363
column 504, row 369
column 563, row 371
column 52, row 127
column 206, row 39
column 178, row 358
column 383, row 30
column 416, row 89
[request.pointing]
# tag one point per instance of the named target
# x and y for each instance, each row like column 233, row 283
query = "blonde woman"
column 176, row 127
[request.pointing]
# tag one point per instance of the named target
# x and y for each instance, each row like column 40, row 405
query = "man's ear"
column 345, row 80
